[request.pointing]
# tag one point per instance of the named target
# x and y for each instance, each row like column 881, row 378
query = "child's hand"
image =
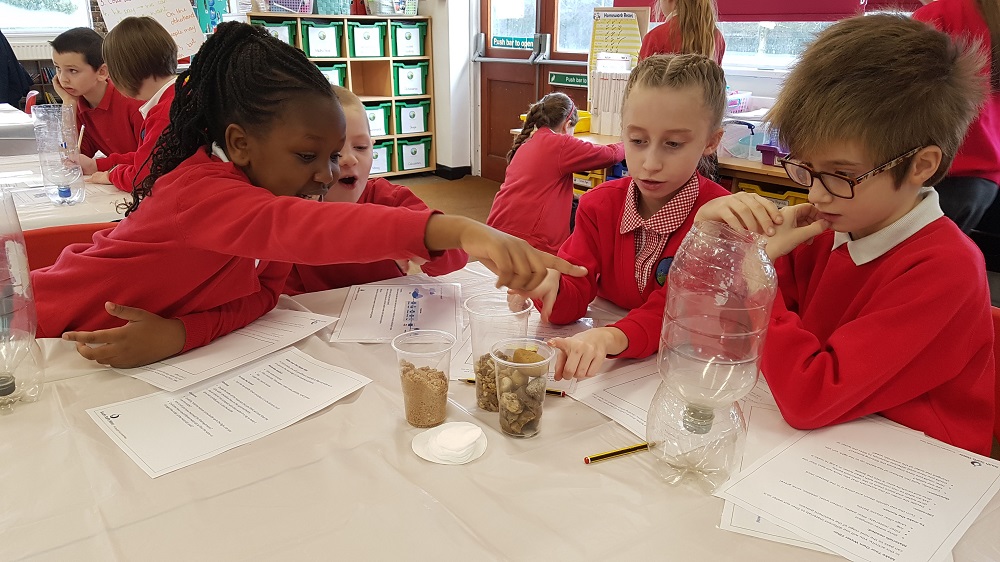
column 546, row 291
column 146, row 338
column 100, row 177
column 800, row 223
column 66, row 98
column 582, row 355
column 88, row 164
column 742, row 210
column 516, row 264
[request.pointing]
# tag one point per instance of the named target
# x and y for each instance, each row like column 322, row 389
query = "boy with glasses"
column 887, row 310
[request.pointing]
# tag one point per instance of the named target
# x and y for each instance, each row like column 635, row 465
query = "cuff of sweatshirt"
column 196, row 330
column 640, row 342
column 104, row 164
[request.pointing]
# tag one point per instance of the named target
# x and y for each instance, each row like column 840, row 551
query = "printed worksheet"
column 869, row 490
column 165, row 431
column 269, row 333
column 379, row 312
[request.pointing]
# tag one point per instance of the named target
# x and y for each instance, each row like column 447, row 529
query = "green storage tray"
column 413, row 154
column 409, row 79
column 378, row 118
column 322, row 40
column 284, row 31
column 408, row 38
column 412, row 117
column 366, row 40
column 335, row 73
column 382, row 153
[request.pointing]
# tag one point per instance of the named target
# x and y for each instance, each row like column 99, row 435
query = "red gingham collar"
column 666, row 220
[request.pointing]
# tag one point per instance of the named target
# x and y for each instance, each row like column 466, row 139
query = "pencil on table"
column 549, row 391
column 79, row 139
column 616, row 453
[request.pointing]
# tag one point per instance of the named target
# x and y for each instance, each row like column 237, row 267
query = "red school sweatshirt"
column 127, row 175
column 661, row 41
column 114, row 127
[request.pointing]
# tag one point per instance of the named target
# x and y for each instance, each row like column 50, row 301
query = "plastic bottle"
column 21, row 367
column 720, row 289
column 56, row 135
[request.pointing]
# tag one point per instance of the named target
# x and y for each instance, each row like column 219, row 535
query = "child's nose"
column 328, row 173
column 818, row 193
column 652, row 161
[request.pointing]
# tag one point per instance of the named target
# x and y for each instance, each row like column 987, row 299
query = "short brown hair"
column 136, row 49
column 347, row 98
column 682, row 71
column 888, row 82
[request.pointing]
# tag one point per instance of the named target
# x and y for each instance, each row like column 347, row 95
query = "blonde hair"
column 695, row 29
column 912, row 87
column 347, row 98
column 990, row 10
column 682, row 71
column 550, row 111
column 136, row 49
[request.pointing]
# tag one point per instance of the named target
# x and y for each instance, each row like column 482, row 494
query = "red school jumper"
column 907, row 335
column 310, row 278
column 609, row 257
column 127, row 175
column 536, row 197
column 114, row 127
column 192, row 246
column 979, row 155
column 661, row 41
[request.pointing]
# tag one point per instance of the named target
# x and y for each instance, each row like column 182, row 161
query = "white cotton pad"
column 451, row 443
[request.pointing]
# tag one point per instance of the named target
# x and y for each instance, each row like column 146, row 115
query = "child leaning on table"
column 354, row 186
column 254, row 136
column 627, row 230
column 142, row 61
column 887, row 310
column 536, row 198
column 113, row 122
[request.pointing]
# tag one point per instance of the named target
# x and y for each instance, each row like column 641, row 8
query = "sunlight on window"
column 767, row 45
column 575, row 20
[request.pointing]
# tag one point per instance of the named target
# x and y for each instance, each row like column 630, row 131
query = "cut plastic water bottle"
column 56, row 135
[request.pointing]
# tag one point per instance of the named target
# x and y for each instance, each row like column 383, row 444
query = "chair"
column 44, row 245
column 30, row 100
column 996, row 355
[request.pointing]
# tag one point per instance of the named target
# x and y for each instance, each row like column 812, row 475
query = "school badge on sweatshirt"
column 662, row 268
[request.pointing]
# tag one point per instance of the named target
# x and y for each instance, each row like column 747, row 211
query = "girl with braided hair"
column 536, row 197
column 254, row 136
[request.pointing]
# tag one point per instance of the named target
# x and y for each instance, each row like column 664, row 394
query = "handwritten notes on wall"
column 176, row 16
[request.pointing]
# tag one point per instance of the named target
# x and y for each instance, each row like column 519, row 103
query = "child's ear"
column 102, row 73
column 713, row 142
column 925, row 164
column 237, row 145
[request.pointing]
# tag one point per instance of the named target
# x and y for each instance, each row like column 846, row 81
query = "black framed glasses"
column 838, row 185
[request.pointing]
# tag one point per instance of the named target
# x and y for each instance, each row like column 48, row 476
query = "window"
column 42, row 16
column 767, row 45
column 573, row 24
column 512, row 24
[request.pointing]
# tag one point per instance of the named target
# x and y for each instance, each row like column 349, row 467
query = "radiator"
column 31, row 50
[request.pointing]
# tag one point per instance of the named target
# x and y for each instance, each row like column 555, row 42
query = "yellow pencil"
column 79, row 139
column 616, row 453
column 549, row 391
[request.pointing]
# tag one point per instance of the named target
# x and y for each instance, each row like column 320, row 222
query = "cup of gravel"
column 522, row 368
column 424, row 359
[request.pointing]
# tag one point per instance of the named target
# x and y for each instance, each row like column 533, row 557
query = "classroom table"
column 17, row 133
column 34, row 209
column 343, row 484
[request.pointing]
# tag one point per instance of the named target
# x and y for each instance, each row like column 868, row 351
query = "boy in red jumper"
column 887, row 311
column 113, row 122
column 627, row 230
column 142, row 60
column 354, row 186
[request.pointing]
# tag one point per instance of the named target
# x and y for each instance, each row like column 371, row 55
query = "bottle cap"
column 697, row 419
column 7, row 385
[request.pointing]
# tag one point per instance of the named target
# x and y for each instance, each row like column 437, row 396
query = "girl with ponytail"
column 689, row 28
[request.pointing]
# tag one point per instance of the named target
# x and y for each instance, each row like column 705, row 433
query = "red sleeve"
column 110, row 161
column 204, row 327
column 128, row 174
column 642, row 325
column 864, row 366
column 579, row 155
column 582, row 248
column 218, row 221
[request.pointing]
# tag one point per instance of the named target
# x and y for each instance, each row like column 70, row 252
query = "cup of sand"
column 424, row 358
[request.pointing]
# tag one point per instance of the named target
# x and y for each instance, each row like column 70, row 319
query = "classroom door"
column 518, row 70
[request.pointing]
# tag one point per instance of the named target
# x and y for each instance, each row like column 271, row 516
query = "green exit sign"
column 572, row 80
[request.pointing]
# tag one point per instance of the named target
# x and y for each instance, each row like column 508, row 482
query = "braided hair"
column 240, row 75
column 550, row 111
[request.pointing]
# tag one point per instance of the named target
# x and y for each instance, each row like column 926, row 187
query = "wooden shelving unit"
column 41, row 81
column 374, row 79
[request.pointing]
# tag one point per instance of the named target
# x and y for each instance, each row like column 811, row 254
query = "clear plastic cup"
column 424, row 358
column 522, row 371
column 491, row 320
